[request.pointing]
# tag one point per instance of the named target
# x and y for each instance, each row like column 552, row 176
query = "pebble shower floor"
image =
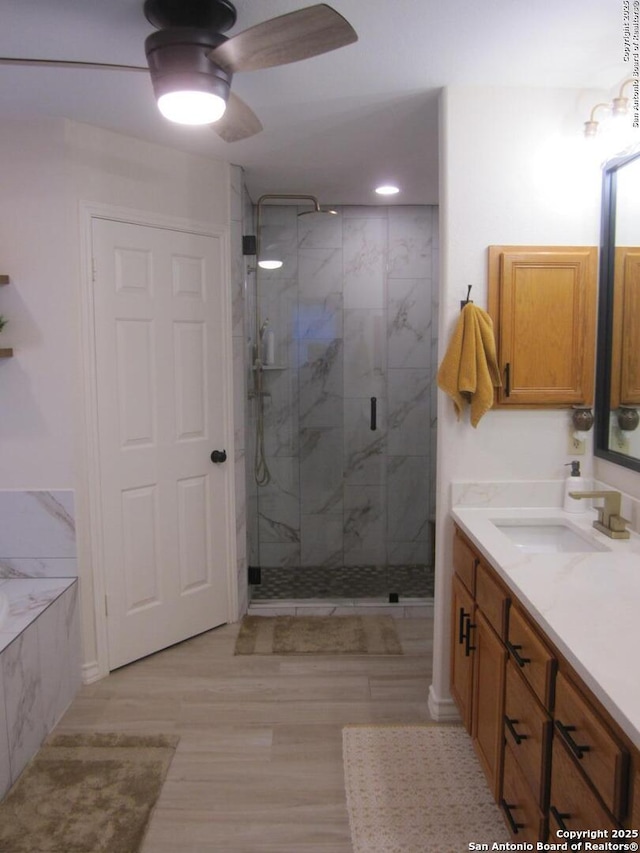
column 351, row 582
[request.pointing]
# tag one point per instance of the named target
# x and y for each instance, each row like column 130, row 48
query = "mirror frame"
column 605, row 315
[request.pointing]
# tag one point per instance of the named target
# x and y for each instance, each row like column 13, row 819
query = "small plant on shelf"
column 3, row 322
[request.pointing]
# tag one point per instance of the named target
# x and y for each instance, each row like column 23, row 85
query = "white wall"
column 50, row 169
column 512, row 173
column 36, row 250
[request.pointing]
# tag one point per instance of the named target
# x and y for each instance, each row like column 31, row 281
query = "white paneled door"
column 162, row 395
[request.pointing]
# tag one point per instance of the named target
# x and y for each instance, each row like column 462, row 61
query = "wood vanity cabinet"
column 553, row 757
column 542, row 300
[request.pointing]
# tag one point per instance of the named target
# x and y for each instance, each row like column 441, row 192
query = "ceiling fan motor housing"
column 178, row 59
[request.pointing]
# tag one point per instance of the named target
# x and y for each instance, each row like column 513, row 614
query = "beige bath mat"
column 417, row 789
column 318, row 635
column 86, row 793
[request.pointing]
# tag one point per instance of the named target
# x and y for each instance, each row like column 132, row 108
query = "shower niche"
column 340, row 441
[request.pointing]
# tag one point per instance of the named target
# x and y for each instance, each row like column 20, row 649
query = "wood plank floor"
column 259, row 763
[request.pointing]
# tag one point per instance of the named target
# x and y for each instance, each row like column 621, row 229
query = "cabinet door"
column 462, row 616
column 490, row 657
column 464, row 561
column 523, row 817
column 528, row 732
column 542, row 302
column 594, row 747
column 491, row 598
column 572, row 804
column 531, row 656
column 625, row 353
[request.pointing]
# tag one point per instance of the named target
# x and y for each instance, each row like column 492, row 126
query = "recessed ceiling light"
column 387, row 189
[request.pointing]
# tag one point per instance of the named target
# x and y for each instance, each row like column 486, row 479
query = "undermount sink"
column 547, row 536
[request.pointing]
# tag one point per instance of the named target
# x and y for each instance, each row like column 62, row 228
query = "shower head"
column 318, row 209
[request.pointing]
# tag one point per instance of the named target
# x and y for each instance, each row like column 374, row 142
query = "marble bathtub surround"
column 28, row 599
column 40, row 667
column 353, row 317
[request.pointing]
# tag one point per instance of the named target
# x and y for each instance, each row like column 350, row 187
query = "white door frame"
column 90, row 533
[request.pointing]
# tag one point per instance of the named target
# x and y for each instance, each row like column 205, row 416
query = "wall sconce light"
column 628, row 419
column 582, row 421
column 592, row 127
column 617, row 125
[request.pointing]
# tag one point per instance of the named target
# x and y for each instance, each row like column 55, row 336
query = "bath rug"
column 318, row 635
column 86, row 793
column 417, row 789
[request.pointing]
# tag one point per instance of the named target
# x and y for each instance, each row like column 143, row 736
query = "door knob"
column 219, row 456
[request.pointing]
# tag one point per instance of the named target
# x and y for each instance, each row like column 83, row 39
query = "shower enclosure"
column 340, row 437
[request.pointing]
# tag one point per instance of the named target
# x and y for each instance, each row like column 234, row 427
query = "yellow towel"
column 469, row 371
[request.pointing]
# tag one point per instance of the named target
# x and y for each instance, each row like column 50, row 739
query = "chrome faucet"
column 609, row 521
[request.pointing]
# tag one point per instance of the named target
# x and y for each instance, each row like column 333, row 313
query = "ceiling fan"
column 192, row 62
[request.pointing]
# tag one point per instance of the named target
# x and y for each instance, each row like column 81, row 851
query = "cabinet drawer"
column 492, row 599
column 528, row 732
column 464, row 562
column 572, row 802
column 531, row 655
column 594, row 747
column 523, row 817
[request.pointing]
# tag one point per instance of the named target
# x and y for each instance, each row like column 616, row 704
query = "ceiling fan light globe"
column 192, row 107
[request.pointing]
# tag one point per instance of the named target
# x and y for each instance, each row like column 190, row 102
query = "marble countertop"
column 588, row 604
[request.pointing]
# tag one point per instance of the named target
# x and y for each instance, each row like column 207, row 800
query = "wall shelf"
column 5, row 352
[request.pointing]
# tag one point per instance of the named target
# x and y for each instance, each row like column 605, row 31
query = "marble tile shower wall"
column 354, row 313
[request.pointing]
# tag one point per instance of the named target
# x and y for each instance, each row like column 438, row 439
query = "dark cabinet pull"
column 512, row 823
column 507, row 380
column 514, row 653
column 514, row 734
column 374, row 407
column 468, row 648
column 463, row 616
column 578, row 751
column 559, row 816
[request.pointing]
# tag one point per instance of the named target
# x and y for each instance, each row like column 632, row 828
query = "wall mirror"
column 618, row 365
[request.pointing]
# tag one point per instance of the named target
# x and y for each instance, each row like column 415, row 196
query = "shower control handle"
column 219, row 456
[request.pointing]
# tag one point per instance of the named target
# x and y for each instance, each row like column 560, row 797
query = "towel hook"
column 466, row 301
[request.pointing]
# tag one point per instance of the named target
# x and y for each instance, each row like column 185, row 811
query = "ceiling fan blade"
column 238, row 122
column 64, row 63
column 287, row 38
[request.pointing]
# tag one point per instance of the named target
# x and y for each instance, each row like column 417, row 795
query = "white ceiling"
column 337, row 124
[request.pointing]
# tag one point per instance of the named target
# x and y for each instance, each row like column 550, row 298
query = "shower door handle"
column 219, row 456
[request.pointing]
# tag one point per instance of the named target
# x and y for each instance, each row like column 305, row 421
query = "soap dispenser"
column 574, row 483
